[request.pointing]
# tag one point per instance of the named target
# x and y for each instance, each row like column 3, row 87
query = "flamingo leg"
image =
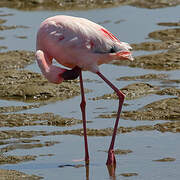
column 111, row 157
column 83, row 110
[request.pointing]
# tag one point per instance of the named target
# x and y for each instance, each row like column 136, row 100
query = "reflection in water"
column 112, row 171
column 87, row 172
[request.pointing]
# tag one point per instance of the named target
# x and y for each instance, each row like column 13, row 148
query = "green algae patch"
column 16, row 59
column 132, row 91
column 7, row 174
column 27, row 119
column 29, row 86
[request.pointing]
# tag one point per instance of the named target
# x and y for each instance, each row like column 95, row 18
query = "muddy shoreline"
column 84, row 4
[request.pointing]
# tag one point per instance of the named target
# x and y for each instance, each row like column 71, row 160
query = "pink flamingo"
column 79, row 44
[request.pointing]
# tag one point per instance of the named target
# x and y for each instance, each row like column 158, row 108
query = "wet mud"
column 47, row 119
column 166, row 34
column 132, row 91
column 121, row 151
column 167, row 159
column 2, row 21
column 169, row 24
column 173, row 126
column 154, row 46
column 15, row 159
column 84, row 4
column 25, row 85
column 128, row 174
column 26, row 145
column 21, row 37
column 5, row 14
column 169, row 91
column 3, row 47
column 3, row 27
column 146, row 77
column 168, row 59
column 16, row 59
column 6, row 174
column 153, row 4
column 165, row 109
column 20, row 134
column 8, row 109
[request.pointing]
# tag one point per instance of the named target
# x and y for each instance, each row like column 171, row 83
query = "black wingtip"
column 71, row 74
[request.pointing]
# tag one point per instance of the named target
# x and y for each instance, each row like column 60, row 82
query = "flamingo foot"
column 111, row 161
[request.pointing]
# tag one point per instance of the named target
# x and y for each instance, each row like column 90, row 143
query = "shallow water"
column 134, row 27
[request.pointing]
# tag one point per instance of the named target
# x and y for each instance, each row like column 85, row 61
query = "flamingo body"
column 79, row 44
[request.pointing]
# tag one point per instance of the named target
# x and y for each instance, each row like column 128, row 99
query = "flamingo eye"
column 112, row 50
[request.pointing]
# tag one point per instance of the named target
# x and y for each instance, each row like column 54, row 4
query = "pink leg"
column 111, row 157
column 83, row 106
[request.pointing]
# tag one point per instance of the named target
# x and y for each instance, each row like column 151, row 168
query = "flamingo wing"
column 73, row 32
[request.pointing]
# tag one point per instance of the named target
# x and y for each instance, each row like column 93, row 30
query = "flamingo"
column 80, row 45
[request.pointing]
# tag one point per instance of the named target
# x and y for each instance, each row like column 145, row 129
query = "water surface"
column 134, row 26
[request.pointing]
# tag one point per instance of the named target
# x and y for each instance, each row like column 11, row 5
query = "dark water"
column 134, row 26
